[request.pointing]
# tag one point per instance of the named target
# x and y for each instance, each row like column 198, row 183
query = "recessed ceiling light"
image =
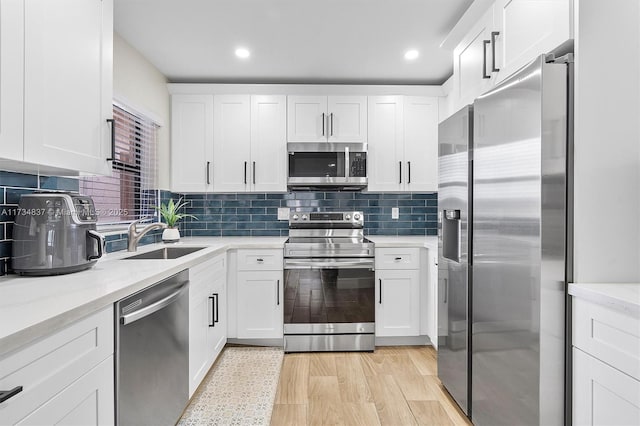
column 412, row 54
column 243, row 53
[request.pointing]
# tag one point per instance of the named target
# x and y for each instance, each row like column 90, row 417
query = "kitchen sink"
column 164, row 253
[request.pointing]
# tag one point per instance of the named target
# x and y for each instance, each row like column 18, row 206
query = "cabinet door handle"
column 409, row 171
column 213, row 310
column 4, row 395
column 245, row 172
column 259, row 260
column 380, row 291
column 400, row 164
column 484, row 58
column 217, row 311
column 398, row 258
column 113, row 139
column 446, row 289
column 331, row 124
column 323, row 124
column 208, row 172
column 254, row 172
column 494, row 34
column 278, row 293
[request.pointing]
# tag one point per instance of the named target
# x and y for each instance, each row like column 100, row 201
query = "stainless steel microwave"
column 327, row 166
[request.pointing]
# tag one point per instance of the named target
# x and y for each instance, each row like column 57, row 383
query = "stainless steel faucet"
column 134, row 236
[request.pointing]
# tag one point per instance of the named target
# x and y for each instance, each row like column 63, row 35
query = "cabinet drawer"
column 398, row 258
column 607, row 334
column 52, row 363
column 260, row 260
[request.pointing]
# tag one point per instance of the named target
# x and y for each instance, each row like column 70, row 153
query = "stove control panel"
column 327, row 219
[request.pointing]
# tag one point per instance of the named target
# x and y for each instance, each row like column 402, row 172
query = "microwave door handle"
column 346, row 162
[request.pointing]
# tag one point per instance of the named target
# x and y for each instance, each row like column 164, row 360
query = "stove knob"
column 356, row 216
column 347, row 216
column 304, row 217
column 294, row 217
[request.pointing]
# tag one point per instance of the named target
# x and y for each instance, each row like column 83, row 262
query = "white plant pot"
column 171, row 235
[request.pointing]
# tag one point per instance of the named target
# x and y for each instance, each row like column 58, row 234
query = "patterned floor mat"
column 239, row 389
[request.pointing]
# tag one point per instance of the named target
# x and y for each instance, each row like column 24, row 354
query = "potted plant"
column 169, row 213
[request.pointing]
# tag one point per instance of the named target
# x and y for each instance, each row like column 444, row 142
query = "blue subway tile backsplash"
column 239, row 214
column 12, row 185
column 257, row 214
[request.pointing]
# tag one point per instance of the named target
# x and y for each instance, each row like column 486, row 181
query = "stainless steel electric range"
column 329, row 279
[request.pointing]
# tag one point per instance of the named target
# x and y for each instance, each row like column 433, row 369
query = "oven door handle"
column 329, row 263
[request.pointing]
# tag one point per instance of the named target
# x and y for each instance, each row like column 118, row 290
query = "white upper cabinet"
column 68, row 68
column 191, row 143
column 472, row 61
column 528, row 28
column 509, row 34
column 403, row 143
column 268, row 143
column 386, row 138
column 306, row 118
column 347, row 119
column 421, row 143
column 11, row 78
column 231, row 143
column 327, row 119
column 249, row 143
column 56, row 71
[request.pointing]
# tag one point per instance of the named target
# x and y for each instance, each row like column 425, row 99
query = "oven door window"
column 319, row 296
column 316, row 164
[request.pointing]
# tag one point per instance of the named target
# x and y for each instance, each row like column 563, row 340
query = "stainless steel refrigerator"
column 504, row 220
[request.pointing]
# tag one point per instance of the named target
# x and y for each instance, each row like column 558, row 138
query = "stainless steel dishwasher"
column 152, row 353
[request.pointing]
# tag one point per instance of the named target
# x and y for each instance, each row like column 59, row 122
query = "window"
column 131, row 191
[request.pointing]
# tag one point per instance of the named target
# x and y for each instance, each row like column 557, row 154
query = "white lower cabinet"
column 87, row 401
column 259, row 292
column 66, row 377
column 606, row 365
column 602, row 395
column 207, row 317
column 398, row 303
column 398, row 292
column 260, row 304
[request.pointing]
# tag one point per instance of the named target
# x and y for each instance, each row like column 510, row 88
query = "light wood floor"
column 392, row 386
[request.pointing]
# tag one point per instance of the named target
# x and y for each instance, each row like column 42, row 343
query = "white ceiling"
column 293, row 41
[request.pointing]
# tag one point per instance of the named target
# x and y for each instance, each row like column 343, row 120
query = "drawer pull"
column 259, row 260
column 398, row 258
column 4, row 395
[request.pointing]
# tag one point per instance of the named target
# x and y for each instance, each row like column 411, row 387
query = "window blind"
column 130, row 192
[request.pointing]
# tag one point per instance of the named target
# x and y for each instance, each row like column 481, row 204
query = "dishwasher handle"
column 154, row 307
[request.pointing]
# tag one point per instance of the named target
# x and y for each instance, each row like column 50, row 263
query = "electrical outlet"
column 283, row 213
column 395, row 213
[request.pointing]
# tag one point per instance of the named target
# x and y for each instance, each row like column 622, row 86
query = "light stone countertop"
column 383, row 241
column 624, row 297
column 31, row 307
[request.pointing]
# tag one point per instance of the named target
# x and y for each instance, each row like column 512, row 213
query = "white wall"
column 607, row 142
column 139, row 85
